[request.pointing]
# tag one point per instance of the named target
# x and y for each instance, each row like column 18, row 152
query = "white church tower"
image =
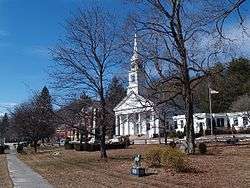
column 136, row 77
column 135, row 114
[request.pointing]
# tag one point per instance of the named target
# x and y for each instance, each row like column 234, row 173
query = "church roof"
column 133, row 101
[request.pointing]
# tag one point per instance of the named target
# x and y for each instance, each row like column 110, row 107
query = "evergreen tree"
column 116, row 92
column 44, row 110
column 34, row 120
column 232, row 81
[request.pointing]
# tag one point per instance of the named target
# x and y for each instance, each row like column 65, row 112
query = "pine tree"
column 232, row 81
column 116, row 92
column 44, row 110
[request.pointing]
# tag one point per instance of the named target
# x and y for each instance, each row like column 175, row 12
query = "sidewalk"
column 22, row 175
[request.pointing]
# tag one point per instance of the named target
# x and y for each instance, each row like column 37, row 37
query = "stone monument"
column 137, row 169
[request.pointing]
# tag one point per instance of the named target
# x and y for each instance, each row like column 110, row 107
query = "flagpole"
column 210, row 109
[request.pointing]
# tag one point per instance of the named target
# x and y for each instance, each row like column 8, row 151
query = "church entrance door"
column 136, row 128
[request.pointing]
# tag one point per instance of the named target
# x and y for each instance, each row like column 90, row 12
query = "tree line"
column 232, row 81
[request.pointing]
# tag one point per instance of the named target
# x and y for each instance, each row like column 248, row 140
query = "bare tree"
column 77, row 116
column 34, row 120
column 180, row 41
column 3, row 128
column 84, row 59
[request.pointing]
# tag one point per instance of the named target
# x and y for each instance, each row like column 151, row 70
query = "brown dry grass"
column 5, row 180
column 223, row 167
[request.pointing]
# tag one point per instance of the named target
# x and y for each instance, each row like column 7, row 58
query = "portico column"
column 128, row 124
column 121, row 125
column 154, row 123
column 117, row 126
column 139, row 120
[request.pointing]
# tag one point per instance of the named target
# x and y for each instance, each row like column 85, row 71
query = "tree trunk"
column 103, row 144
column 189, row 117
column 103, row 124
column 35, row 146
column 166, row 137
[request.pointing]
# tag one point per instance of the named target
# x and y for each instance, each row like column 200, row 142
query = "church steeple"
column 135, row 73
column 135, row 52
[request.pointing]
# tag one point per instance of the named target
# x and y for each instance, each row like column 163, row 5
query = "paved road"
column 22, row 175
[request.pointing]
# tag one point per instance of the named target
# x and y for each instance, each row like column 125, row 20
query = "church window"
column 245, row 120
column 235, row 121
column 132, row 78
column 175, row 125
column 148, row 117
column 148, row 126
column 136, row 117
column 182, row 124
column 133, row 66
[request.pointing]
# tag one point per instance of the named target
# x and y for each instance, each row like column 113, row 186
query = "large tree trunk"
column 189, row 117
column 35, row 146
column 103, row 126
column 103, row 145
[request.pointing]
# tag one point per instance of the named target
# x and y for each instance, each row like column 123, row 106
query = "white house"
column 135, row 115
column 238, row 120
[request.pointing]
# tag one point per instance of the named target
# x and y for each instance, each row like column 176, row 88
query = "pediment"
column 133, row 101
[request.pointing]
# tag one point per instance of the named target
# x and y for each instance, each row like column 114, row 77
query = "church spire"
column 135, row 52
column 135, row 73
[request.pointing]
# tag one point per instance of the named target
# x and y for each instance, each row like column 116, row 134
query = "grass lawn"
column 5, row 180
column 224, row 167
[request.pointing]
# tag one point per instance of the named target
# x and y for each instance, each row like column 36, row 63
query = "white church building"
column 135, row 115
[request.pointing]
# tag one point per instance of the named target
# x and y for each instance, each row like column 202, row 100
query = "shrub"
column 180, row 134
column 1, row 149
column 218, row 131
column 172, row 144
column 166, row 157
column 19, row 148
column 202, row 148
column 6, row 147
column 69, row 146
column 197, row 135
column 67, row 140
column 175, row 159
column 153, row 157
column 172, row 135
column 125, row 140
column 79, row 147
column 244, row 131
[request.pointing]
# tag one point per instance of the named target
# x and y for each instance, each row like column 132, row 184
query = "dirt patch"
column 5, row 180
column 223, row 167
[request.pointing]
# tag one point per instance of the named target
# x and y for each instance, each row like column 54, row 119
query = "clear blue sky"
column 27, row 29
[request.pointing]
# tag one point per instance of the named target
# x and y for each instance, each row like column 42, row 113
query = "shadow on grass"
column 150, row 174
column 191, row 170
column 121, row 158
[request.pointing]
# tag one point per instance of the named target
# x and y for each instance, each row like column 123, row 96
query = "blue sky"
column 27, row 29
